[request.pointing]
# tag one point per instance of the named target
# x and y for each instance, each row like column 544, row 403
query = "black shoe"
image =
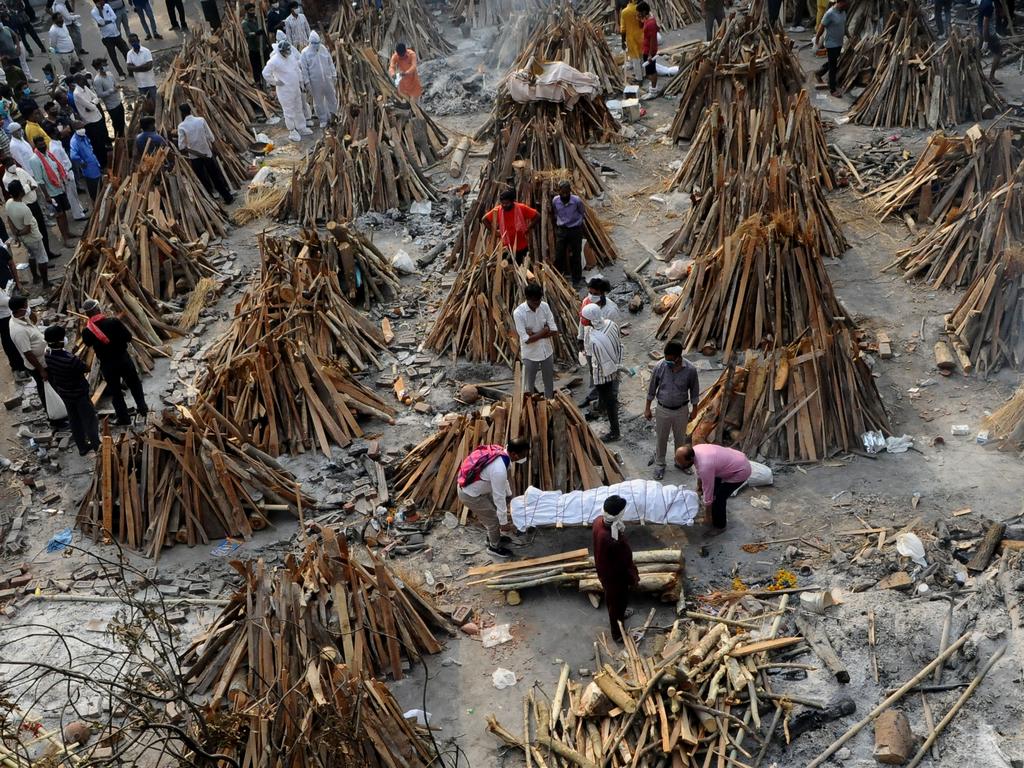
column 610, row 437
column 158, row 36
column 499, row 552
column 149, row 37
column 175, row 27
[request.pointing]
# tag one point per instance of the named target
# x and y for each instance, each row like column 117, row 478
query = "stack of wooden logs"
column 289, row 665
column 763, row 285
column 565, row 454
column 717, row 210
column 950, row 174
column 694, row 702
column 178, row 482
column 671, row 14
column 868, row 18
column 570, row 38
column 357, row 25
column 475, row 319
column 954, row 253
column 1006, row 424
column 918, row 81
column 801, row 402
column 986, row 330
column 746, row 64
column 661, row 573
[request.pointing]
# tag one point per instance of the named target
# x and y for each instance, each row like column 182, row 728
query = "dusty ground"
column 815, row 502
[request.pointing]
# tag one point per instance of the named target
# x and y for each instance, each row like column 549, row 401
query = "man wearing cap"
column 613, row 560
column 66, row 374
column 720, row 471
column 109, row 339
column 319, row 71
column 21, row 150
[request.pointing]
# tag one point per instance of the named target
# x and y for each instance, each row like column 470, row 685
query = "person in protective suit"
column 319, row 72
column 284, row 72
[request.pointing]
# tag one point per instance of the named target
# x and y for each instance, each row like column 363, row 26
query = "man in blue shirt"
column 149, row 140
column 987, row 33
column 569, row 217
column 833, row 29
column 84, row 157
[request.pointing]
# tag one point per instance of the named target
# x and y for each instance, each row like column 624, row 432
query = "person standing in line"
column 148, row 139
column 512, row 221
column 319, row 71
column 296, row 27
column 33, row 123
column 276, row 16
column 29, row 342
column 597, row 293
column 613, row 560
column 674, row 384
column 67, row 375
column 605, row 359
column 833, row 28
column 106, row 21
column 139, row 62
column 484, row 490
column 720, row 471
column 176, row 13
column 120, row 8
column 56, row 147
column 284, row 72
column 536, row 326
column 30, row 191
column 714, row 14
column 196, row 141
column 404, row 66
column 87, row 103
column 109, row 339
column 23, row 26
column 20, row 149
column 51, row 177
column 989, row 35
column 105, row 87
column 8, row 290
column 632, row 33
column 82, row 153
column 569, row 218
column 649, row 48
column 62, row 45
column 144, row 10
column 256, row 43
column 72, row 21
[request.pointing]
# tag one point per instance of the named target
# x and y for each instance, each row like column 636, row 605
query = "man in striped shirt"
column 605, row 359
column 66, row 374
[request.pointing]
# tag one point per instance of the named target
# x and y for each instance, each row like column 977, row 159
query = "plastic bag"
column 503, row 678
column 55, row 409
column 495, row 635
column 909, row 545
column 873, row 441
column 760, row 474
column 403, row 262
column 899, row 444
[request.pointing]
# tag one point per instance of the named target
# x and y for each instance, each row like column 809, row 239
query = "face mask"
column 80, row 131
column 136, row 47
column 521, row 461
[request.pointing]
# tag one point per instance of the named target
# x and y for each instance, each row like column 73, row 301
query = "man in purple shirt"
column 720, row 471
column 568, row 232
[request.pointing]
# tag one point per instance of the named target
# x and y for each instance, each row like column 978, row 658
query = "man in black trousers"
column 66, row 374
column 109, row 339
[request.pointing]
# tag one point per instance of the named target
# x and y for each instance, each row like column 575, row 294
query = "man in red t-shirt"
column 513, row 221
column 649, row 51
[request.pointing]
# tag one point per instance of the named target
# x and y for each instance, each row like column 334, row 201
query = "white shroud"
column 647, row 501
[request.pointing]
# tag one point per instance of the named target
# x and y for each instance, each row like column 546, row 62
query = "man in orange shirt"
column 513, row 221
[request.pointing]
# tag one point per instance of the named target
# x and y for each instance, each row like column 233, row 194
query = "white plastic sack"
column 909, row 545
column 557, row 82
column 647, row 501
column 760, row 475
column 503, row 678
column 664, row 71
column 55, row 409
column 403, row 263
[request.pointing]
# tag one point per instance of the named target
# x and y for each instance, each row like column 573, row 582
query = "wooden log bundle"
column 289, row 664
column 570, row 38
column 950, row 174
column 868, row 18
column 1006, row 424
column 588, row 121
column 737, row 138
column 692, row 703
column 671, row 14
column 298, row 295
column 731, row 198
column 988, row 323
column 410, row 22
column 178, row 482
column 565, row 454
column 475, row 319
column 358, row 25
column 954, row 253
column 918, row 81
column 324, row 603
column 764, row 284
column 802, row 402
column 746, row 64
column 492, row 13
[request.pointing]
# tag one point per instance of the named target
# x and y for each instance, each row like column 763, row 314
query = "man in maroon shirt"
column 614, row 561
column 649, row 50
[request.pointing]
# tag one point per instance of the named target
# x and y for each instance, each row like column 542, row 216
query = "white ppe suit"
column 286, row 75
column 319, row 72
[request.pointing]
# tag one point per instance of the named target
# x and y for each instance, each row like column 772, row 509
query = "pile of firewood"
column 868, row 18
column 694, row 701
column 289, row 665
column 918, row 81
column 731, row 198
column 300, row 299
column 1006, row 424
column 746, row 64
column 952, row 254
column 671, row 14
column 565, row 454
column 951, row 174
column 475, row 319
column 736, row 137
column 764, row 284
column 410, row 22
column 801, row 402
column 533, row 158
column 661, row 573
column 357, row 25
column 570, row 38
column 987, row 326
column 178, row 482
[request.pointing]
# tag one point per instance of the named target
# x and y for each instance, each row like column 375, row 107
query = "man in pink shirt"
column 720, row 471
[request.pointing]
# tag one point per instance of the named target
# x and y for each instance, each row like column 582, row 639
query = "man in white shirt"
column 21, row 150
column 29, row 341
column 140, row 64
column 72, row 23
column 78, row 213
column 13, row 172
column 483, row 488
column 88, row 105
column 536, row 326
column 106, row 20
column 195, row 140
column 61, row 43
